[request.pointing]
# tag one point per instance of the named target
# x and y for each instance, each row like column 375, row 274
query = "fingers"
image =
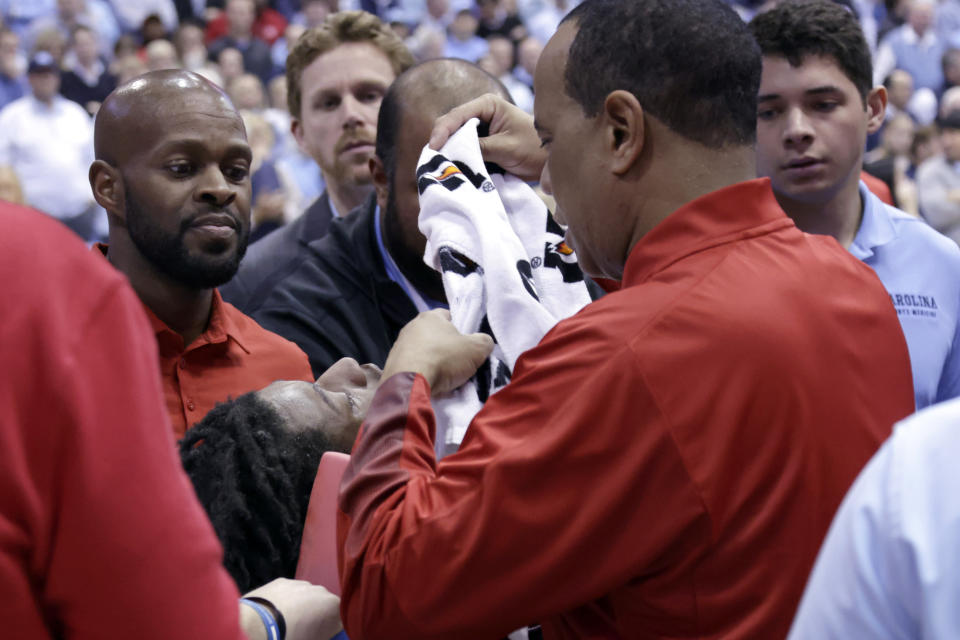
column 484, row 108
column 484, row 344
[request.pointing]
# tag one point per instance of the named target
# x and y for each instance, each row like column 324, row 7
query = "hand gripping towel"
column 505, row 267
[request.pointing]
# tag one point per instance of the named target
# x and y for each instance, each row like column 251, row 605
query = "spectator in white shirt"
column 48, row 140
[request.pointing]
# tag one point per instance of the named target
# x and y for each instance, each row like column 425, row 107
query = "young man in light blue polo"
column 816, row 105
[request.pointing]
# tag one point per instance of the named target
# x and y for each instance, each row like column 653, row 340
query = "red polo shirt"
column 233, row 356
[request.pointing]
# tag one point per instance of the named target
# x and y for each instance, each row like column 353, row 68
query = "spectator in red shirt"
column 268, row 24
column 241, row 34
column 173, row 173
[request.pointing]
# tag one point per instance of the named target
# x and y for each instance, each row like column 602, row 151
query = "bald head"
column 173, row 173
column 426, row 92
column 147, row 107
column 437, row 86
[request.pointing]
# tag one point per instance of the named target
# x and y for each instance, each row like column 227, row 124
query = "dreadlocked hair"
column 254, row 479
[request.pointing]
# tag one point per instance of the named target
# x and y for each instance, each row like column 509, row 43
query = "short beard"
column 426, row 280
column 169, row 255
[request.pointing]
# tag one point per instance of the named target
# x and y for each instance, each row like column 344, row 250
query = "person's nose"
column 354, row 112
column 797, row 128
column 342, row 374
column 545, row 183
column 215, row 189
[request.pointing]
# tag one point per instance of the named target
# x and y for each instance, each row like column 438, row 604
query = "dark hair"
column 692, row 64
column 339, row 28
column 254, row 479
column 795, row 29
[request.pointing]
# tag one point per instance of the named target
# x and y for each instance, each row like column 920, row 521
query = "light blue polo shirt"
column 920, row 269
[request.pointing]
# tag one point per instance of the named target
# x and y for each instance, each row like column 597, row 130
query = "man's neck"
column 839, row 217
column 705, row 170
column 346, row 197
column 183, row 309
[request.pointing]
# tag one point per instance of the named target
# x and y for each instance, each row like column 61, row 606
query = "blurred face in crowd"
column 900, row 89
column 9, row 59
column 44, row 84
column 950, row 143
column 920, row 15
column 231, row 64
column 277, row 89
column 898, row 135
column 85, row 46
column 9, row 44
column 247, row 92
column 314, row 13
column 528, row 54
column 811, row 128
column 69, row 9
column 128, row 67
column 488, row 9
column 501, row 50
column 341, row 94
column 189, row 44
column 438, row 8
column 336, row 403
column 464, row 26
column 241, row 15
column 161, row 54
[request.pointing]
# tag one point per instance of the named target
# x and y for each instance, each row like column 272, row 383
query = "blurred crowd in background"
column 60, row 58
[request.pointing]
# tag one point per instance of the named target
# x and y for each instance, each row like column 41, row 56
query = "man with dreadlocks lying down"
column 252, row 462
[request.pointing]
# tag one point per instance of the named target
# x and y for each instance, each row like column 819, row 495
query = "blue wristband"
column 273, row 631
column 340, row 636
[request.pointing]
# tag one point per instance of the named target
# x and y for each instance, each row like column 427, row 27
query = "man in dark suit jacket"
column 337, row 75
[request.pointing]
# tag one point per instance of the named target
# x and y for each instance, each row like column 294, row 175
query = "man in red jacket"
column 666, row 462
column 101, row 535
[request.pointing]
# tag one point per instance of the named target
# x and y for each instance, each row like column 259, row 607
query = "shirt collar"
column 420, row 301
column 911, row 37
column 876, row 227
column 740, row 211
column 43, row 107
column 221, row 327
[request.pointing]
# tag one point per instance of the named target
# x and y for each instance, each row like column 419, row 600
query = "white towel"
column 506, row 270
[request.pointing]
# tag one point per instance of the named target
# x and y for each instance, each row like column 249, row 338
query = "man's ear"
column 297, row 130
column 876, row 108
column 381, row 182
column 107, row 185
column 624, row 130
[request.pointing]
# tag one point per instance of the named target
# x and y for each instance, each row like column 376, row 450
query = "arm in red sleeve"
column 508, row 530
column 115, row 543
